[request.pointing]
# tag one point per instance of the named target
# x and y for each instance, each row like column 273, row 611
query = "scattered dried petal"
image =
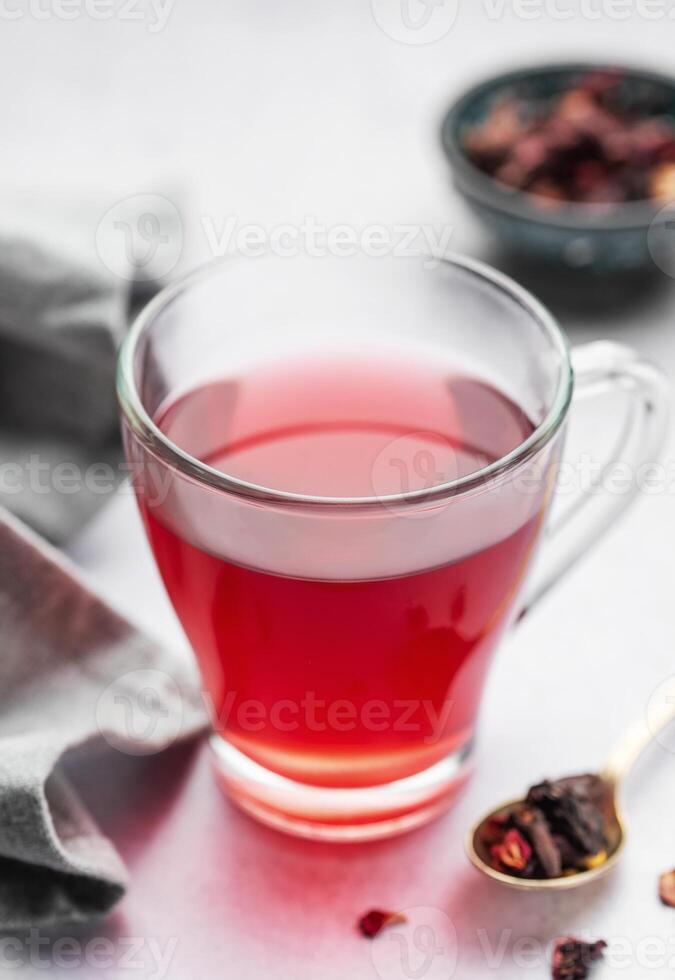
column 373, row 922
column 667, row 888
column 572, row 958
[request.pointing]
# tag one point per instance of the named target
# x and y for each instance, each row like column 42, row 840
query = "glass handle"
column 599, row 368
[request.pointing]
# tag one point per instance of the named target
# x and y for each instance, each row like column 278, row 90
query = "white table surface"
column 271, row 112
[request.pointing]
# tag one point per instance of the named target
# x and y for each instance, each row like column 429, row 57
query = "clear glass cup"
column 343, row 637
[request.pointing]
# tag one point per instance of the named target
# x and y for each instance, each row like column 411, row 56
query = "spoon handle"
column 659, row 713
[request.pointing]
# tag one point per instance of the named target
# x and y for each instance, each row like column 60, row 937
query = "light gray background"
column 270, row 112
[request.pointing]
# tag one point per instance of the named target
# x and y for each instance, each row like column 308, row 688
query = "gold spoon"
column 621, row 761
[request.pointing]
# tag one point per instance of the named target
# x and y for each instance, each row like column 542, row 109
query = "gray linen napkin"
column 68, row 289
column 72, row 672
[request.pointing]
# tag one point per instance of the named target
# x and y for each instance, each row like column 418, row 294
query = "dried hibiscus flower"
column 373, row 922
column 559, row 828
column 512, row 853
column 603, row 140
column 572, row 958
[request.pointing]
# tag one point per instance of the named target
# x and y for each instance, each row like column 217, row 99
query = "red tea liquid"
column 353, row 680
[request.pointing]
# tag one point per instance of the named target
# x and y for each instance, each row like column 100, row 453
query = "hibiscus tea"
column 344, row 673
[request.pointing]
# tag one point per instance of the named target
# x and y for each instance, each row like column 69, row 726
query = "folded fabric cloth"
column 68, row 288
column 72, row 672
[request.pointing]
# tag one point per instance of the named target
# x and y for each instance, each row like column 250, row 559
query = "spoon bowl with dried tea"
column 566, row 832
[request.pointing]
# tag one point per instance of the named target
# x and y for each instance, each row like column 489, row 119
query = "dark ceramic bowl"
column 576, row 235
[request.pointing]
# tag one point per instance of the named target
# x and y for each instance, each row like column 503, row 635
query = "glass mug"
column 345, row 467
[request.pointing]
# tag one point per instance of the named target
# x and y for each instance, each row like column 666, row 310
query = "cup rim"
column 158, row 443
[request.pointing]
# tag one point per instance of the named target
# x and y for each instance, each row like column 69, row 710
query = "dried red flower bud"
column 373, row 922
column 572, row 958
column 513, row 853
column 667, row 889
column 494, row 830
